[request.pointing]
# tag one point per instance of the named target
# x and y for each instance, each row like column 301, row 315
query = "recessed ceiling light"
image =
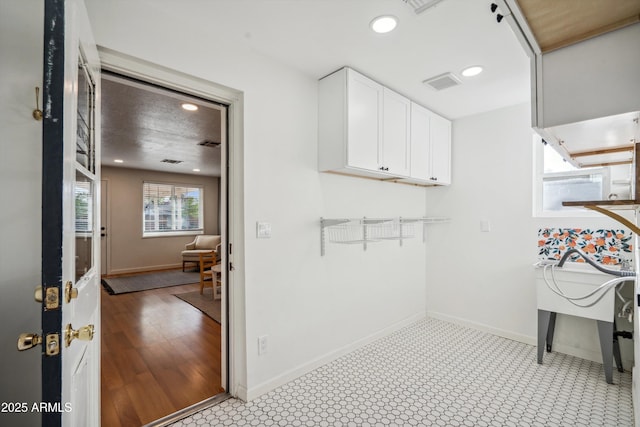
column 384, row 24
column 118, row 161
column 472, row 71
column 196, row 170
column 189, row 107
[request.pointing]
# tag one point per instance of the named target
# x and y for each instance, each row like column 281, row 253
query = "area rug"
column 146, row 281
column 205, row 303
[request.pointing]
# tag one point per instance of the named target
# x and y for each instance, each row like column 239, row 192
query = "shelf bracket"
column 364, row 233
column 615, row 216
column 324, row 223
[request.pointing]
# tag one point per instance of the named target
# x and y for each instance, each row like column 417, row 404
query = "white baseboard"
column 144, row 269
column 484, row 328
column 294, row 373
column 594, row 356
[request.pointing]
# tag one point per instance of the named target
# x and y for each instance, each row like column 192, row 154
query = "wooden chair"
column 209, row 267
column 206, row 261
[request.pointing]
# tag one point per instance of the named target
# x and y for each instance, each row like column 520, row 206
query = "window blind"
column 169, row 207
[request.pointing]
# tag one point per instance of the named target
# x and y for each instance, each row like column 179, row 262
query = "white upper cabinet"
column 430, row 147
column 396, row 128
column 366, row 129
column 420, row 143
column 440, row 150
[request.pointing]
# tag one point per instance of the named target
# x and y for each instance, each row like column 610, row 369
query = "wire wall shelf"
column 361, row 231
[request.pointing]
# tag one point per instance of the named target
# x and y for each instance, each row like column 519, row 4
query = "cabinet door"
column 440, row 149
column 364, row 111
column 396, row 130
column 420, row 139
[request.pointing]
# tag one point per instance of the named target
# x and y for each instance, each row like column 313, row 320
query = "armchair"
column 203, row 243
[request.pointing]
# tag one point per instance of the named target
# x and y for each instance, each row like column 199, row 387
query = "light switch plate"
column 485, row 225
column 263, row 230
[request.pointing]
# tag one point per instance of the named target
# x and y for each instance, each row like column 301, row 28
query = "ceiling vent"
column 442, row 81
column 173, row 162
column 208, row 143
column 420, row 6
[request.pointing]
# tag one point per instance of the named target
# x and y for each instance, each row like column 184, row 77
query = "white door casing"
column 233, row 369
column 71, row 207
column 104, row 227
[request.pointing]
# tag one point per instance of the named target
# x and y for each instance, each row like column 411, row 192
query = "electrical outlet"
column 262, row 344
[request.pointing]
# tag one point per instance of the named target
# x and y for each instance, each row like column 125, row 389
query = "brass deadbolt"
column 85, row 333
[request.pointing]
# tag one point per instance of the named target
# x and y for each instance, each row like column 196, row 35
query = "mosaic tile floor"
column 434, row 373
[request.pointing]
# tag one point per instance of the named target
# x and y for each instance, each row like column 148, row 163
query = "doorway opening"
column 164, row 176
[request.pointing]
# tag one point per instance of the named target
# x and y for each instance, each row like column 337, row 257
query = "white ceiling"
column 319, row 36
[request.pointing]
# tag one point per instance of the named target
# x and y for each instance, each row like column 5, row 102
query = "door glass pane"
column 84, row 224
column 85, row 151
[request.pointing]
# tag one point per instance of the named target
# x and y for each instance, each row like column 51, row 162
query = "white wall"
column 312, row 308
column 486, row 279
column 128, row 250
column 20, row 220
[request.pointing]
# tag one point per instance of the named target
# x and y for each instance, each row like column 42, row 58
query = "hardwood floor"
column 159, row 355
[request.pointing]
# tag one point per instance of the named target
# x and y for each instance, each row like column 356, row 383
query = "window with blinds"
column 83, row 205
column 171, row 209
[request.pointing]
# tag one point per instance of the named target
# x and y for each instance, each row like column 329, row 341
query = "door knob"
column 28, row 340
column 85, row 333
column 38, row 294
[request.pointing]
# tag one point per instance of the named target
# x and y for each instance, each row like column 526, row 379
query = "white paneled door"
column 70, row 219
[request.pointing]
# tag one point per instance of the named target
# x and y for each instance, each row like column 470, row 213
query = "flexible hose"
column 606, row 286
column 619, row 273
